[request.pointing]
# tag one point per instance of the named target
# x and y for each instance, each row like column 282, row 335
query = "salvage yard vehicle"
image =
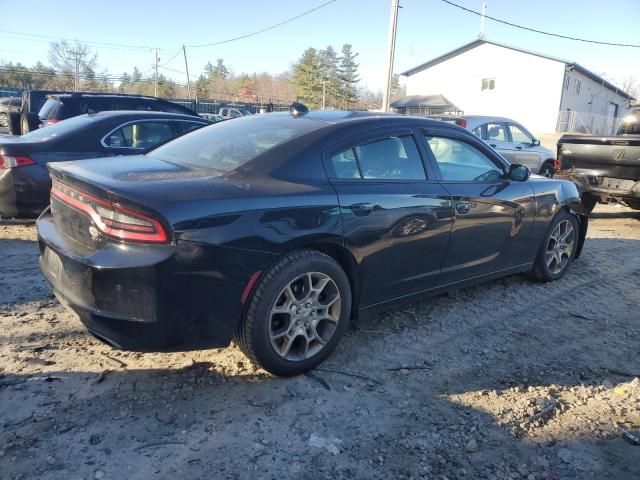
column 8, row 105
column 275, row 230
column 234, row 112
column 510, row 139
column 24, row 179
column 607, row 168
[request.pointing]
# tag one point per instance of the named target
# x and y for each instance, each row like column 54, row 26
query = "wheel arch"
column 583, row 222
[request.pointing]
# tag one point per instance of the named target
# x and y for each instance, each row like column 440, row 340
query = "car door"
column 396, row 217
column 495, row 134
column 493, row 214
column 137, row 137
column 524, row 150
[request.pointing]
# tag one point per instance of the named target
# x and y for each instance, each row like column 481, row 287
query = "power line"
column 266, row 28
column 566, row 37
column 50, row 37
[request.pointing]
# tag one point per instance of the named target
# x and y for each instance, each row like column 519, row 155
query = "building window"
column 567, row 79
column 576, row 87
column 488, row 84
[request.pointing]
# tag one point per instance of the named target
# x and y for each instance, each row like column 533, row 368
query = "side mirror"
column 536, row 142
column 519, row 173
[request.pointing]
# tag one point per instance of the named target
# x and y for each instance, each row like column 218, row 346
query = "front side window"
column 518, row 135
column 140, row 135
column 496, row 132
column 459, row 161
column 391, row 158
column 186, row 126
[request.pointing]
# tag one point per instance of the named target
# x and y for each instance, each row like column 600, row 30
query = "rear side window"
column 496, row 132
column 140, row 135
column 390, row 158
column 52, row 109
column 186, row 126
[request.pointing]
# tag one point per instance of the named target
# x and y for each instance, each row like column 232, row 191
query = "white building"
column 544, row 93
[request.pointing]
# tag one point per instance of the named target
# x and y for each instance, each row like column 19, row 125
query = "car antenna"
column 298, row 109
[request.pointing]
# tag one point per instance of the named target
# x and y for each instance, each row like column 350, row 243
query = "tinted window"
column 496, row 132
column 459, row 161
column 345, row 164
column 225, row 146
column 186, row 126
column 51, row 109
column 518, row 135
column 393, row 158
column 141, row 135
column 478, row 132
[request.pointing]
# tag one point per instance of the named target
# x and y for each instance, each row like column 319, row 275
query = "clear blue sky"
column 426, row 28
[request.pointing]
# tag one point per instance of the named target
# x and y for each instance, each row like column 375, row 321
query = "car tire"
column 635, row 204
column 547, row 169
column 558, row 248
column 287, row 328
column 588, row 202
column 4, row 120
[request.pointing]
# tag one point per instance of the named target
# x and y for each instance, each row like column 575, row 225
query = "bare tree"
column 632, row 87
column 71, row 60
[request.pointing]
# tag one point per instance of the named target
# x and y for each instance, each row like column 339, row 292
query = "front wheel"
column 297, row 314
column 558, row 248
column 547, row 170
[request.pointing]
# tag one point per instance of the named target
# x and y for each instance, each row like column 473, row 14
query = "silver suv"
column 510, row 139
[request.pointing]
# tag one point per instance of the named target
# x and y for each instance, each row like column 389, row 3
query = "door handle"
column 493, row 145
column 362, row 209
column 518, row 148
column 463, row 207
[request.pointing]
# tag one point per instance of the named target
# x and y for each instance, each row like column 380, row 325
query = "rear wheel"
column 297, row 314
column 4, row 120
column 635, row 204
column 558, row 248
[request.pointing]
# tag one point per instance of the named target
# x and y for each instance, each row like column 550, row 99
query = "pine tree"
column 307, row 78
column 137, row 76
column 349, row 78
column 328, row 60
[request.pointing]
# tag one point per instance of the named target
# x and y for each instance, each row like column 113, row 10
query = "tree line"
column 319, row 75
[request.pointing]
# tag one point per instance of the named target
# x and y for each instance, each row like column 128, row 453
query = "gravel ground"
column 511, row 379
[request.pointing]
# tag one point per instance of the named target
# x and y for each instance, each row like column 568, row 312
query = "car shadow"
column 611, row 215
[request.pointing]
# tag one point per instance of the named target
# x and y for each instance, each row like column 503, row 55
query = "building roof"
column 423, row 101
column 480, row 41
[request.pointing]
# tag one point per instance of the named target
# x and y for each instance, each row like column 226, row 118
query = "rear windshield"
column 59, row 129
column 225, row 146
column 631, row 124
column 50, row 110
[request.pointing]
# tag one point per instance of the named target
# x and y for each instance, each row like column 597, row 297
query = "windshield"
column 225, row 146
column 57, row 129
column 631, row 124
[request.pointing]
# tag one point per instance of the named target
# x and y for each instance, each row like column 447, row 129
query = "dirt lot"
column 511, row 379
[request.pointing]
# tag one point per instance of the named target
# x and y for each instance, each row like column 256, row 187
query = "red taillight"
column 7, row 161
column 111, row 219
column 556, row 164
column 462, row 122
column 50, row 121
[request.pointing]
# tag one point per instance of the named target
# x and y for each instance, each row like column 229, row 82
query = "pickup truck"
column 607, row 169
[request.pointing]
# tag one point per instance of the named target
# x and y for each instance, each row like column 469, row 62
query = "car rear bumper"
column 24, row 191
column 600, row 185
column 149, row 298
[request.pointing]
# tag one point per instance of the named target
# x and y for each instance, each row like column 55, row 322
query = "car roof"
column 336, row 117
column 104, row 95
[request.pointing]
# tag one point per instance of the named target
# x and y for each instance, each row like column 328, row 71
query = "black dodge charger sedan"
column 24, row 180
column 275, row 230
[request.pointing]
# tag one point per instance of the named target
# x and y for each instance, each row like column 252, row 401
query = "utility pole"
column 393, row 25
column 76, row 70
column 157, row 59
column 484, row 13
column 324, row 92
column 186, row 66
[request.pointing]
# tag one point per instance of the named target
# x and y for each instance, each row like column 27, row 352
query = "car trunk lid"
column 615, row 157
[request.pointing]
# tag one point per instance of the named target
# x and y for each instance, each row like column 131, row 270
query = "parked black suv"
column 58, row 106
